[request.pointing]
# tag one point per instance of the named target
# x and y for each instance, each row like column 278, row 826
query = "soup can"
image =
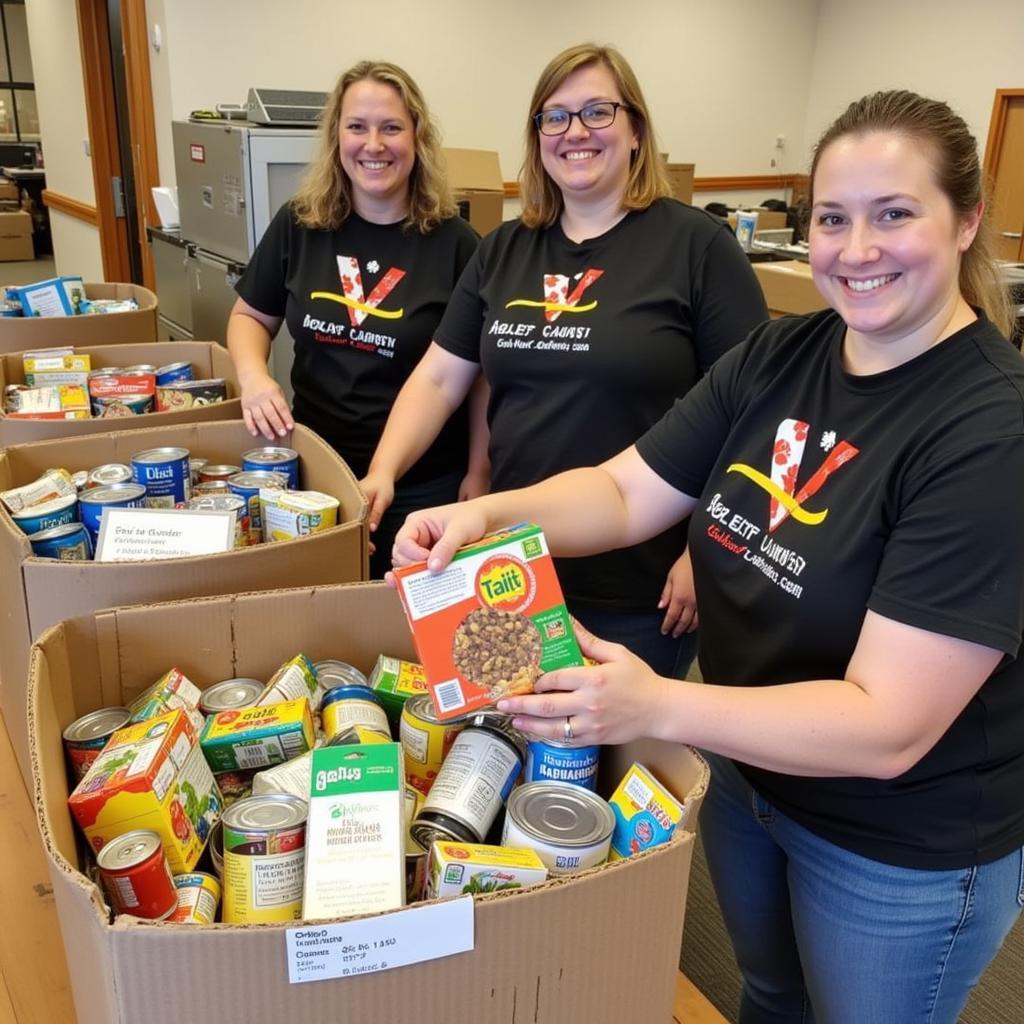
column 247, row 485
column 225, row 503
column 68, row 542
column 425, row 741
column 137, row 876
column 85, row 737
column 206, row 487
column 173, row 371
column 55, row 512
column 96, row 500
column 569, row 827
column 198, row 898
column 264, row 858
column 280, row 460
column 555, row 761
column 165, row 474
column 229, row 694
column 345, row 706
column 194, row 466
column 218, row 471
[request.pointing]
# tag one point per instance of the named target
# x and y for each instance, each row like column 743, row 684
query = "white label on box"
column 143, row 534
column 380, row 943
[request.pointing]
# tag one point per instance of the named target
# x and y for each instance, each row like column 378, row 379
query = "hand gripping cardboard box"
column 41, row 591
column 18, row 333
column 601, row 946
column 208, row 360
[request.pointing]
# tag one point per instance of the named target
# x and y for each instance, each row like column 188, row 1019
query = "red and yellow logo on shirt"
column 360, row 306
column 557, row 297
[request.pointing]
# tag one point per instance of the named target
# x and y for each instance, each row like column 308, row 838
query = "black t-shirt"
column 824, row 494
column 586, row 345
column 362, row 304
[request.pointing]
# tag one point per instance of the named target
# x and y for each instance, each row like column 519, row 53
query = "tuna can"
column 474, row 781
column 55, row 512
column 247, row 485
column 68, row 542
column 555, row 761
column 198, row 899
column 164, row 472
column 425, row 741
column 569, row 827
column 225, row 503
column 218, row 471
column 345, row 706
column 173, row 371
column 230, row 694
column 280, row 460
column 194, row 466
column 109, row 473
column 331, row 673
column 96, row 499
column 86, row 737
column 137, row 876
column 264, row 858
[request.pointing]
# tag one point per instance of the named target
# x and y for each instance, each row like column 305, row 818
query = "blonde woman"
column 360, row 264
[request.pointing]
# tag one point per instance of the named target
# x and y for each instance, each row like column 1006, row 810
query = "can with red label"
column 425, row 741
column 137, row 876
column 85, row 737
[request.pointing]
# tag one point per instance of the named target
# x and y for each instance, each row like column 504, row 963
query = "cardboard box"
column 788, row 287
column 208, row 359
column 41, row 591
column 16, row 237
column 20, row 333
column 9, row 191
column 681, row 176
column 766, row 219
column 597, row 947
column 475, row 177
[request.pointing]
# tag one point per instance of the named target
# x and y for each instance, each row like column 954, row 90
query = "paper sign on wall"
column 145, row 534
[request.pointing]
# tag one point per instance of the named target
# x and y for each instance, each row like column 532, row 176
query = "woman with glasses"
column 589, row 315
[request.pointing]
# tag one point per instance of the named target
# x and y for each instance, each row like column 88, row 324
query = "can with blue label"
column 554, row 761
column 247, row 486
column 173, row 371
column 55, row 512
column 280, row 460
column 94, row 501
column 68, row 542
column 165, row 474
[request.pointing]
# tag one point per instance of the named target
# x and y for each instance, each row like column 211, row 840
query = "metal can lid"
column 420, row 705
column 97, row 723
column 112, row 492
column 80, row 478
column 219, row 469
column 111, row 473
column 440, row 828
column 558, row 813
column 332, row 673
column 55, row 532
column 229, row 694
column 171, row 367
column 128, row 851
column 265, row 813
column 211, row 487
column 270, row 453
column 258, row 478
column 160, row 454
column 217, row 503
column 140, row 368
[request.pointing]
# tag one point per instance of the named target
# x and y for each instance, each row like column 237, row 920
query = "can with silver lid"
column 229, row 694
column 281, row 460
column 86, row 737
column 344, row 706
column 264, row 858
column 68, row 542
column 137, row 876
column 194, row 466
column 218, row 471
column 173, row 371
column 425, row 741
column 55, row 512
column 569, row 827
column 203, row 488
column 139, row 369
column 225, row 503
column 331, row 673
column 109, row 473
column 96, row 500
column 80, row 478
column 247, row 485
column 165, row 474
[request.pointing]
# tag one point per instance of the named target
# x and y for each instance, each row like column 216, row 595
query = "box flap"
column 474, row 169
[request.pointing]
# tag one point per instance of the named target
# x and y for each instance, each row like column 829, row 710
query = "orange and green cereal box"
column 395, row 681
column 489, row 624
column 151, row 775
column 463, row 868
column 257, row 737
column 646, row 813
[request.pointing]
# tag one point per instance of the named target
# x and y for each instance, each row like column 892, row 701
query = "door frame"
column 996, row 129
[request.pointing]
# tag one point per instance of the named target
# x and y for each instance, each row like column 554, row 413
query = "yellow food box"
column 458, row 869
column 257, row 737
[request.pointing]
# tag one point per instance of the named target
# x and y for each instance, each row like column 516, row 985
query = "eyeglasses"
column 594, row 115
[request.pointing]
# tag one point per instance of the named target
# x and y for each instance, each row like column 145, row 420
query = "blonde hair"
column 324, row 198
column 954, row 154
column 648, row 179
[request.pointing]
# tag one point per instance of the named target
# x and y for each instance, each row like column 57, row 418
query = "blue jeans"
column 827, row 936
column 641, row 633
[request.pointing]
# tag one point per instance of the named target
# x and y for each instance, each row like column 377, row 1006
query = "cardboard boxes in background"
column 681, row 177
column 475, row 177
column 16, row 236
column 767, row 220
column 9, row 191
column 20, row 333
column 41, row 591
column 208, row 359
column 598, row 947
column 788, row 287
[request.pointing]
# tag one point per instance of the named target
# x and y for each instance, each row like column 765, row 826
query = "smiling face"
column 885, row 241
column 588, row 163
column 377, row 147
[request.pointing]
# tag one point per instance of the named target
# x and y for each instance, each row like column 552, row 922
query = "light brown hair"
column 648, row 180
column 954, row 155
column 324, row 198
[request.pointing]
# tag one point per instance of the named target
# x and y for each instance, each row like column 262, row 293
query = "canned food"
column 97, row 499
column 228, row 694
column 68, row 542
column 569, row 827
column 247, row 485
column 206, row 487
column 345, row 706
column 194, row 466
column 332, row 673
column 139, row 369
column 474, row 781
column 225, row 503
column 86, row 737
column 109, row 407
column 353, row 735
column 137, row 876
column 215, row 845
column 218, row 471
column 425, row 741
column 191, row 394
column 555, row 761
column 290, row 514
column 198, row 898
column 173, row 371
column 55, row 512
column 164, row 472
column 281, row 460
column 80, row 478
column 109, row 473
column 264, row 858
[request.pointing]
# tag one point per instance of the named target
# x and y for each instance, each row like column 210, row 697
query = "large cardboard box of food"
column 41, row 591
column 18, row 333
column 16, row 236
column 475, row 177
column 208, row 360
column 598, row 947
column 788, row 287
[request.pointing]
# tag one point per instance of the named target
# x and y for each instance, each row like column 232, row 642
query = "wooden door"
column 1004, row 164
